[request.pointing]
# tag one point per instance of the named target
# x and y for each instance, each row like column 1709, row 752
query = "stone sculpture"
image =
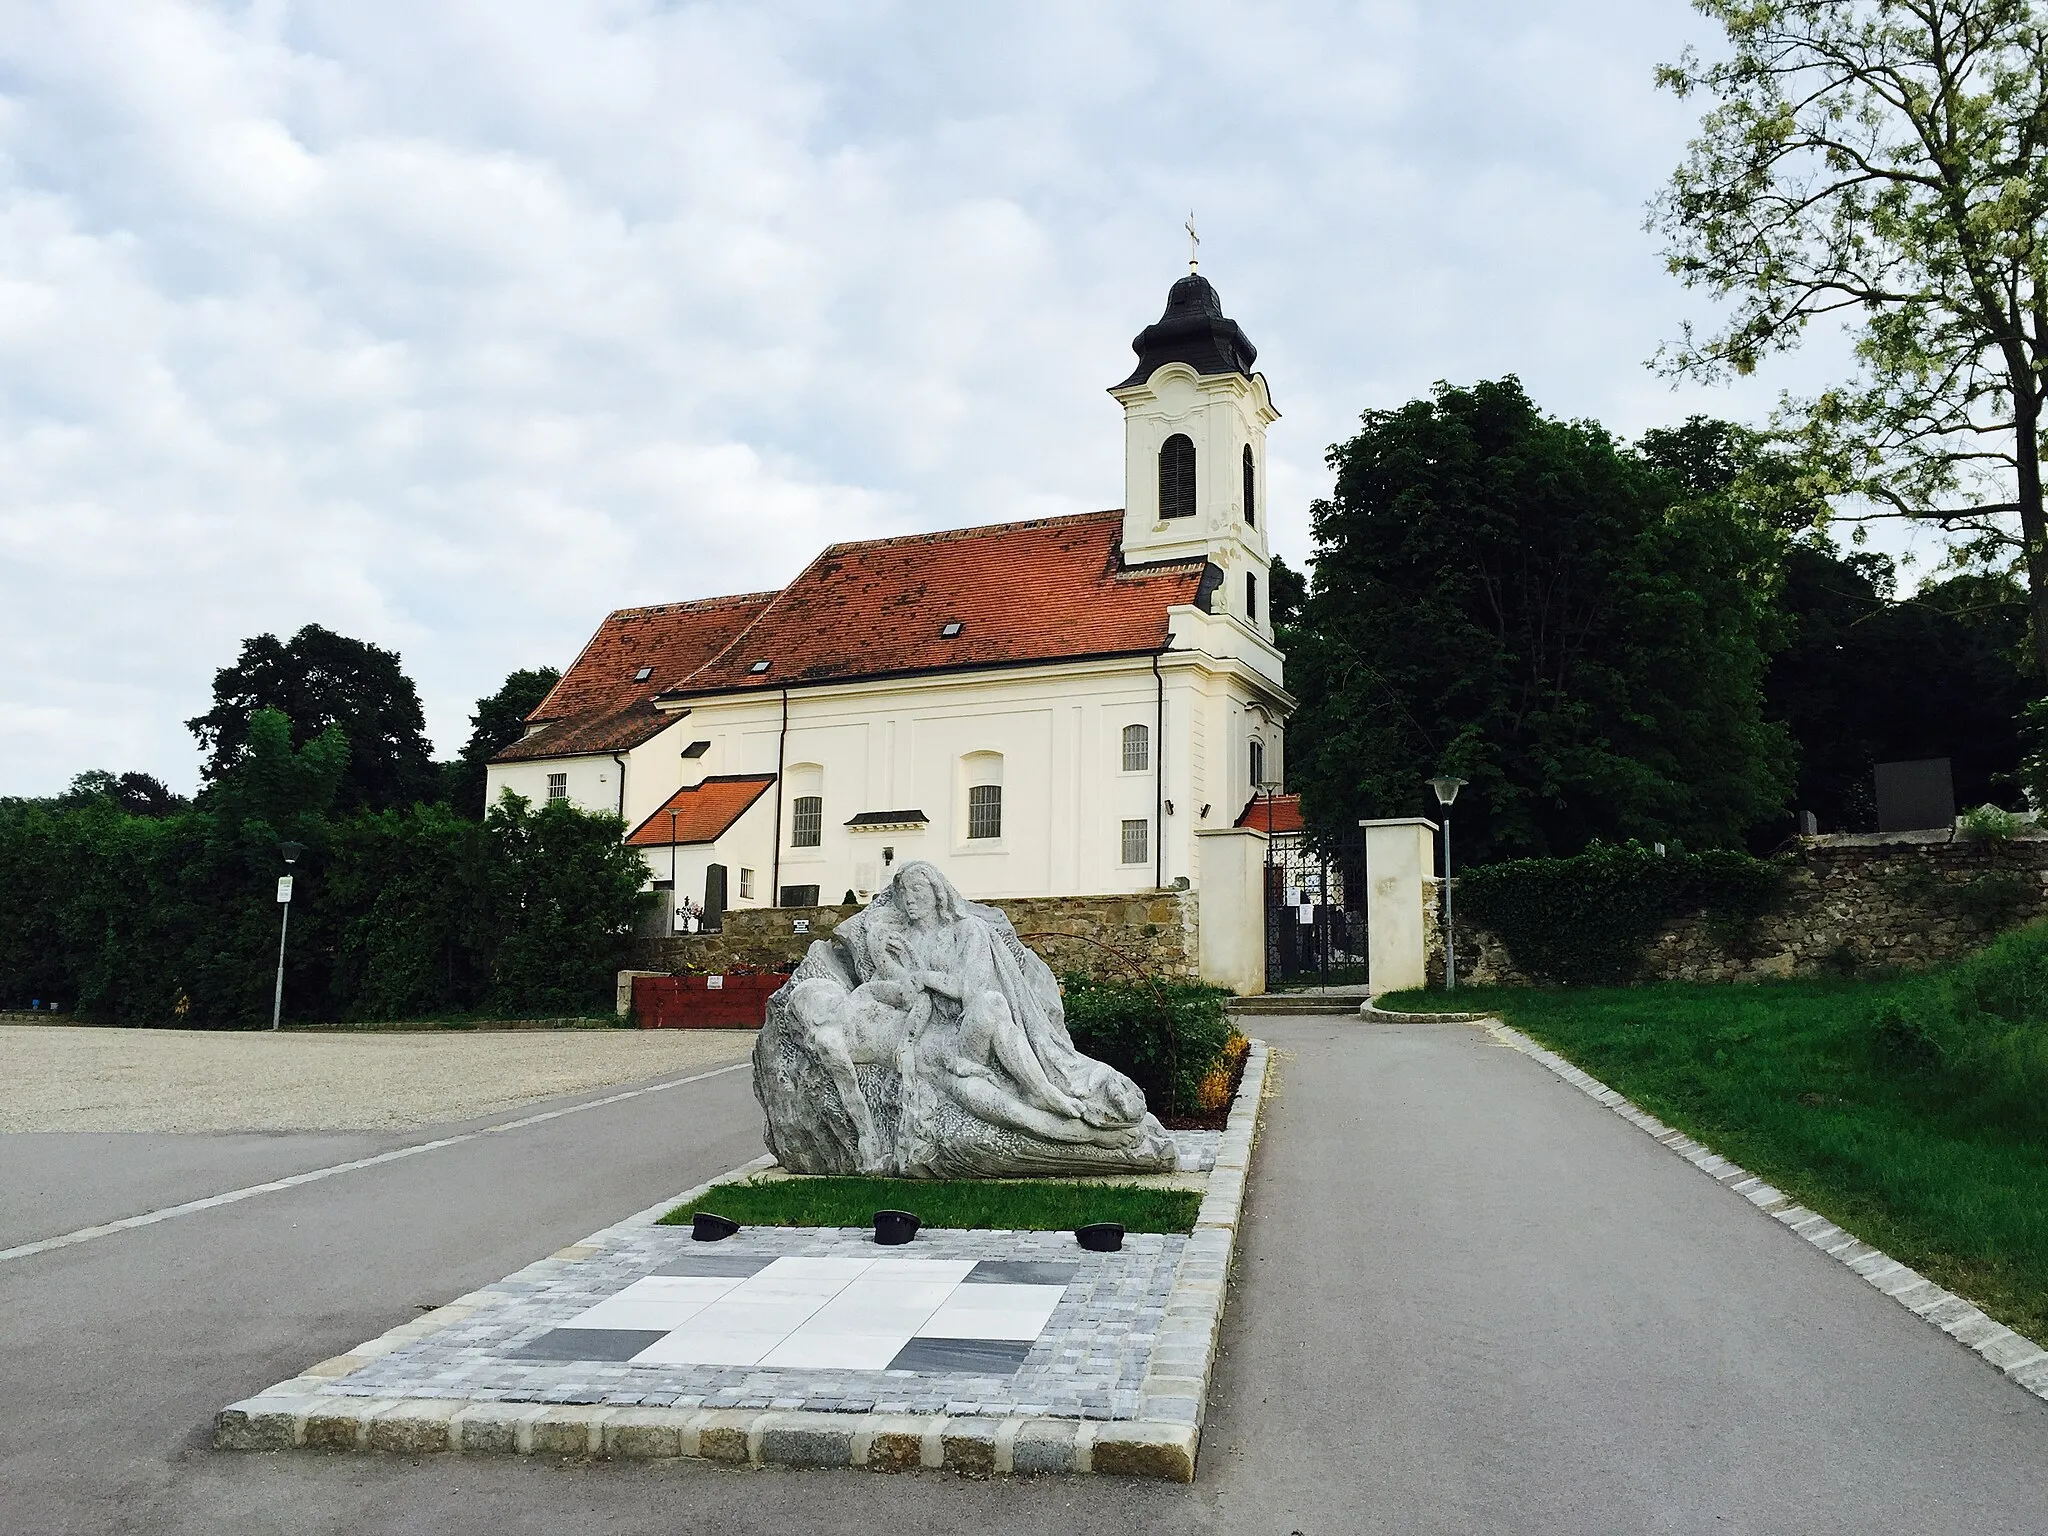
column 923, row 1040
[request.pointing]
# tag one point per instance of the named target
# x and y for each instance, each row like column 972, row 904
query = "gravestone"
column 1915, row 797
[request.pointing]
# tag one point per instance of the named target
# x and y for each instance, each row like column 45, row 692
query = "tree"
column 1524, row 603
column 139, row 794
column 1884, row 163
column 499, row 721
column 317, row 680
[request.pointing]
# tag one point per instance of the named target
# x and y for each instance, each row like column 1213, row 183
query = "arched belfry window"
column 1177, row 476
column 1251, row 489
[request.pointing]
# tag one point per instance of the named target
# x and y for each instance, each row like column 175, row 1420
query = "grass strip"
column 1034, row 1205
column 1789, row 1080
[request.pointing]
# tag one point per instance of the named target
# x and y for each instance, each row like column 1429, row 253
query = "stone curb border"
column 1160, row 1443
column 1373, row 1015
column 2013, row 1355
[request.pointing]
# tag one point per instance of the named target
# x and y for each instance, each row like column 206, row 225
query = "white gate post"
column 1400, row 856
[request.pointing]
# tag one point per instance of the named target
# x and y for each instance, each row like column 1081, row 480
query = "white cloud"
column 454, row 326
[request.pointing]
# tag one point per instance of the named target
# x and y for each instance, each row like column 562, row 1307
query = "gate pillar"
column 1230, row 915
column 1400, row 855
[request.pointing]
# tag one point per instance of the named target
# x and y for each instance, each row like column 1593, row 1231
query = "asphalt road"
column 1468, row 1299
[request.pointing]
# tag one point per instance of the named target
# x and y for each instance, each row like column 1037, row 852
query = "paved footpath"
column 1469, row 1299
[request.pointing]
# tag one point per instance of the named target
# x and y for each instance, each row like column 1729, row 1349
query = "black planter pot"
column 1101, row 1236
column 708, row 1227
column 894, row 1227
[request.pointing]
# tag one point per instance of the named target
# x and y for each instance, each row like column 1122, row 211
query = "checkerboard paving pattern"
column 818, row 1317
column 850, row 1312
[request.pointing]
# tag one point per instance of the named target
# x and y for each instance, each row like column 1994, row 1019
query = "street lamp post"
column 290, row 853
column 1447, row 789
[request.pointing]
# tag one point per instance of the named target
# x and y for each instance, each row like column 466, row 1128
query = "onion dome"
column 1195, row 331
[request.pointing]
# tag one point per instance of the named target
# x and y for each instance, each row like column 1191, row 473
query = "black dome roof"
column 1195, row 331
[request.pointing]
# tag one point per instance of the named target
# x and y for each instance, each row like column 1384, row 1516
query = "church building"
column 1079, row 705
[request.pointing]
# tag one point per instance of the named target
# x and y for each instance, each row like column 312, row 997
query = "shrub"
column 1989, row 824
column 1587, row 920
column 1165, row 1036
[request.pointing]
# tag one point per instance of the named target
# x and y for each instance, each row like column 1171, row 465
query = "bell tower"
column 1195, row 419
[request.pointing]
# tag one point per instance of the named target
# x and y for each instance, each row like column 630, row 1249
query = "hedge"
column 1588, row 919
column 1164, row 1036
column 173, row 920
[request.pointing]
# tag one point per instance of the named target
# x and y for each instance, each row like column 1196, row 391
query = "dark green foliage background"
column 1571, row 625
column 1587, row 919
column 161, row 920
column 1164, row 1036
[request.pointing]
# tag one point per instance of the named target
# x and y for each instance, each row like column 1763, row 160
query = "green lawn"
column 1032, row 1205
column 1943, row 1165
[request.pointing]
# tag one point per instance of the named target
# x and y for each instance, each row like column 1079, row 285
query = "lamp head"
column 1446, row 788
column 291, row 851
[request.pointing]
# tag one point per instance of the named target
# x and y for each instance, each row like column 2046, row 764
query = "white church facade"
column 1077, row 705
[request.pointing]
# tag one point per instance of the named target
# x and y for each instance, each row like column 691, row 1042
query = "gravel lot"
column 78, row 1078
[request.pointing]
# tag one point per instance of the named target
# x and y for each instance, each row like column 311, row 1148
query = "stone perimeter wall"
column 1903, row 900
column 1107, row 937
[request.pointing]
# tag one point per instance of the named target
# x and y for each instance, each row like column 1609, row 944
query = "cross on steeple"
column 1194, row 242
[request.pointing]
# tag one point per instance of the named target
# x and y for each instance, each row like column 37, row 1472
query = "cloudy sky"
column 453, row 324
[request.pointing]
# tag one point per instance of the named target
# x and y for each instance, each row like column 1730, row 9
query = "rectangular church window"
column 807, row 821
column 558, row 786
column 985, row 810
column 1137, row 842
column 747, row 883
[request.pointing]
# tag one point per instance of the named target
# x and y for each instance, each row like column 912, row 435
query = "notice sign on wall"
column 284, row 887
column 714, row 983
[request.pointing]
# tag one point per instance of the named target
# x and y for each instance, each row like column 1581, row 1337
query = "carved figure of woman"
column 944, row 994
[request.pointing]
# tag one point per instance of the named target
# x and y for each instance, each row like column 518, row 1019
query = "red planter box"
column 703, row 1002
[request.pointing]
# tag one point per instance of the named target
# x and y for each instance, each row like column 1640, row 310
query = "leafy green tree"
column 570, row 900
column 1883, row 164
column 139, row 794
column 500, row 720
column 320, row 679
column 1525, row 603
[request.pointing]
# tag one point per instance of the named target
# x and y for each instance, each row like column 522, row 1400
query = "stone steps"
column 1293, row 1003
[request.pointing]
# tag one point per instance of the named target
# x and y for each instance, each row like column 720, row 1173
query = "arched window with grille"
column 1137, row 748
column 1177, row 476
column 1251, row 489
column 983, row 772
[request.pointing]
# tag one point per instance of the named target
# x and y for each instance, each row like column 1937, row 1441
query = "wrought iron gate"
column 1315, row 911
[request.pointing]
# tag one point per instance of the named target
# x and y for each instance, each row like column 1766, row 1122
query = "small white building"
column 1056, row 707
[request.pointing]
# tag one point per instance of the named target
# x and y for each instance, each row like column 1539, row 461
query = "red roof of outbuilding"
column 1284, row 810
column 703, row 812
column 600, row 705
column 1051, row 589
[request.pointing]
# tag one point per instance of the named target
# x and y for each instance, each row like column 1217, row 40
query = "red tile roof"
column 599, row 706
column 1051, row 589
column 704, row 812
column 1285, row 811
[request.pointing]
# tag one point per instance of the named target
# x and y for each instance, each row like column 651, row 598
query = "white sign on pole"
column 284, row 888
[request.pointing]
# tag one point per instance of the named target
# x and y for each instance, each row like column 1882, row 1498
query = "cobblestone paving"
column 1088, row 1362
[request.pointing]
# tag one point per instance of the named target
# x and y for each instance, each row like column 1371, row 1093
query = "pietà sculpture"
column 923, row 1040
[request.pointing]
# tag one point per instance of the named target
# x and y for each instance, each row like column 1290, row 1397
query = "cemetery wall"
column 1853, row 902
column 1107, row 937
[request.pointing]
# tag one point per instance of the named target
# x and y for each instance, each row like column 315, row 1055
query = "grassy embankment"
column 990, row 1205
column 1913, row 1111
